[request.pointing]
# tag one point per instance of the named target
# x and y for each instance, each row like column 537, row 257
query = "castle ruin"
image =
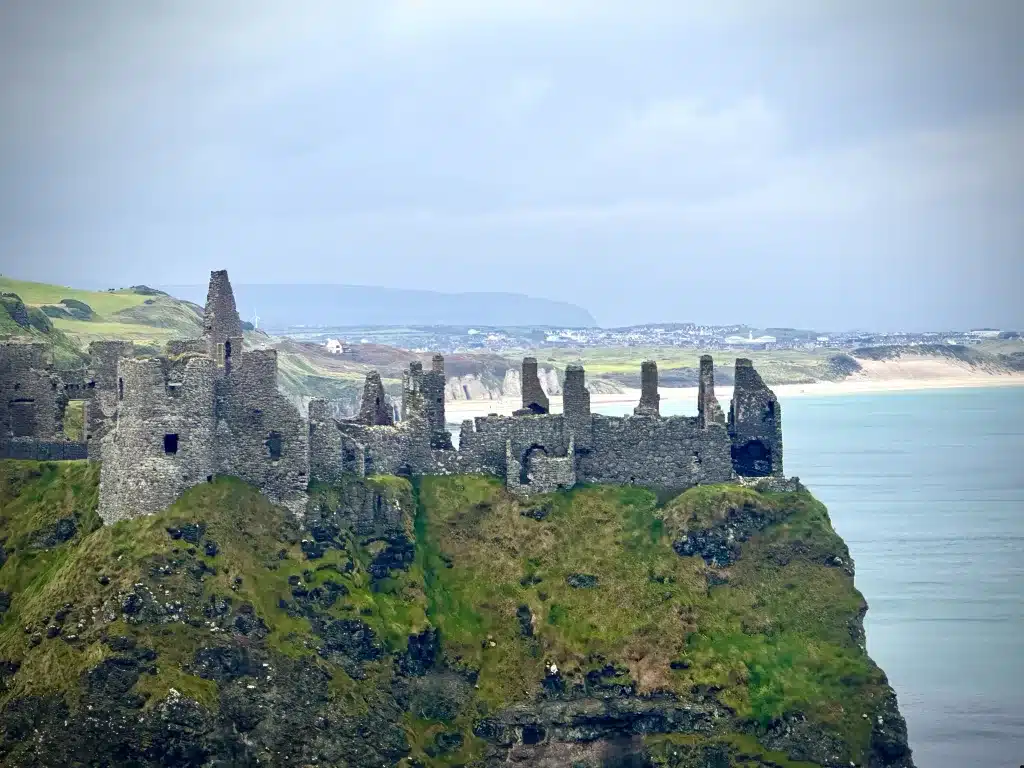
column 211, row 407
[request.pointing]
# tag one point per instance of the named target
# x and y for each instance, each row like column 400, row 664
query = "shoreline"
column 457, row 410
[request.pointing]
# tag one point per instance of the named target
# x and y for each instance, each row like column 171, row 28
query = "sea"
column 927, row 490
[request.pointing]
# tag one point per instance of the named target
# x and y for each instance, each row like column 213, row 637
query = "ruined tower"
column 534, row 397
column 163, row 440
column 222, row 327
column 650, row 400
column 576, row 406
column 755, row 425
column 104, row 357
column 412, row 392
column 708, row 409
column 434, row 384
column 375, row 408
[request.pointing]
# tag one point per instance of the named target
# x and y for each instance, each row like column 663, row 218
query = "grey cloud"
column 785, row 149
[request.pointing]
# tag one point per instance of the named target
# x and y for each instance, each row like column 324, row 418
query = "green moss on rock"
column 435, row 623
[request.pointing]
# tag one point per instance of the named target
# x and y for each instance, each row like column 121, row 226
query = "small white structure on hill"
column 334, row 346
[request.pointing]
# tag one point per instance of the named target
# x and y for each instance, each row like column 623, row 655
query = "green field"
column 121, row 314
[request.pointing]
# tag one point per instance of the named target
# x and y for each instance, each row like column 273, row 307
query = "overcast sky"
column 807, row 163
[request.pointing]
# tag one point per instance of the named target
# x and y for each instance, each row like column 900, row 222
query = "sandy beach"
column 876, row 376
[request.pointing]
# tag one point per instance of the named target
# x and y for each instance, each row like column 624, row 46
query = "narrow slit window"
column 274, row 445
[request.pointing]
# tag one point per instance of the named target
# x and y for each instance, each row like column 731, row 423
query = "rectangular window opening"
column 170, row 443
column 274, row 445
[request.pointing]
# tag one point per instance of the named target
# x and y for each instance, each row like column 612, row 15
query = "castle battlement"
column 210, row 407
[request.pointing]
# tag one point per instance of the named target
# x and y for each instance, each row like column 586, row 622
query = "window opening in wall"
column 274, row 445
column 23, row 417
column 170, row 443
column 227, row 355
column 120, row 388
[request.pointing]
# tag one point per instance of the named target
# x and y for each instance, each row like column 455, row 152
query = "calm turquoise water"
column 927, row 489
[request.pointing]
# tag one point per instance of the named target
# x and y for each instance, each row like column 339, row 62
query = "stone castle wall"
column 210, row 407
column 261, row 437
column 31, row 395
column 755, row 425
column 163, row 440
column 535, row 451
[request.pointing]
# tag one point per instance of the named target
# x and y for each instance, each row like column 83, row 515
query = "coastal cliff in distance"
column 440, row 622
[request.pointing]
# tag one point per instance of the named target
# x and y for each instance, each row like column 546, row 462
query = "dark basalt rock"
column 537, row 511
column 525, row 618
column 313, row 550
column 444, row 743
column 719, row 545
column 398, row 555
column 223, row 664
column 422, row 653
column 348, row 643
column 61, row 531
column 581, row 580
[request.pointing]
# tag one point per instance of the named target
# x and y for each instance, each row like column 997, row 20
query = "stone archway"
column 524, row 463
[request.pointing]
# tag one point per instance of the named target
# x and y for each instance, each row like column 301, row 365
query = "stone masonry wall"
column 576, row 406
column 325, row 463
column 708, row 409
column 32, row 449
column 261, row 437
column 163, row 439
column 755, row 424
column 375, row 408
column 671, row 453
column 31, row 396
column 534, row 398
column 650, row 400
column 539, row 473
column 101, row 412
column 434, row 384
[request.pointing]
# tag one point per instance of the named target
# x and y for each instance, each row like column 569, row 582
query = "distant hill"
column 283, row 306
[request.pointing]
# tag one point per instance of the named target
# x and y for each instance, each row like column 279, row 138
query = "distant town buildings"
column 505, row 340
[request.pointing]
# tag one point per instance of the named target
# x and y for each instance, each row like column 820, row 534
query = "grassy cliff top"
column 134, row 314
column 440, row 624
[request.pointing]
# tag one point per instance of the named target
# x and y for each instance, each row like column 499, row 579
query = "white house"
column 334, row 346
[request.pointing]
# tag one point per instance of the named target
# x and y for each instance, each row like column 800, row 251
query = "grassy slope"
column 776, row 366
column 120, row 314
column 775, row 639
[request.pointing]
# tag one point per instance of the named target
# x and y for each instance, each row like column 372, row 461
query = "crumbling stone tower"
column 708, row 409
column 102, row 374
column 434, row 385
column 375, row 408
column 576, row 407
column 755, row 425
column 30, row 394
column 163, row 439
column 650, row 400
column 535, row 400
column 222, row 327
column 207, row 410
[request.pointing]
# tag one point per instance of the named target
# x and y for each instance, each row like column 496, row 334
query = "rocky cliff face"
column 445, row 624
column 486, row 387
